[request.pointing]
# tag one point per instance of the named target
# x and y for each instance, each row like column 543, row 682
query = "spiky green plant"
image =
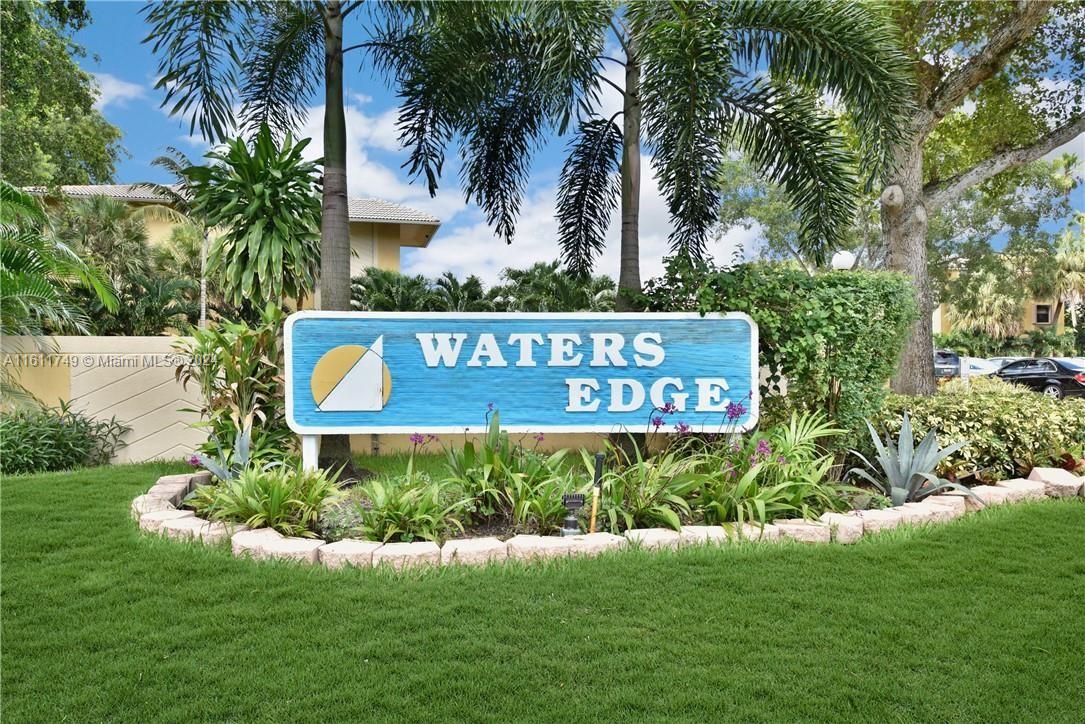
column 906, row 472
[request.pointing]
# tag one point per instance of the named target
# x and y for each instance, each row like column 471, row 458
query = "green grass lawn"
column 979, row 620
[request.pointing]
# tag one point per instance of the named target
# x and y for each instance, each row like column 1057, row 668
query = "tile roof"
column 358, row 209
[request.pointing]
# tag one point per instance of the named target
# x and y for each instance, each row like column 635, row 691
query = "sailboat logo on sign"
column 352, row 378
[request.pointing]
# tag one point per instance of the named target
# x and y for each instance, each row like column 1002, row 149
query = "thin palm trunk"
column 629, row 270
column 203, row 281
column 334, row 222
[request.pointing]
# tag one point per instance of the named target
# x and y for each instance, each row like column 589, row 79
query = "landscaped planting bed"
column 157, row 511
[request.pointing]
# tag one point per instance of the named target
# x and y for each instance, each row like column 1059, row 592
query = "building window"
column 1043, row 314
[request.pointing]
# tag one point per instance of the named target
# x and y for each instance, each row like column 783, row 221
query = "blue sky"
column 126, row 72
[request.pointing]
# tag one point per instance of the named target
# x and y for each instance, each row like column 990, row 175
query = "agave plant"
column 229, row 464
column 906, row 472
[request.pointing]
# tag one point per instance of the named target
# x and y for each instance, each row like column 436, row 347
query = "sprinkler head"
column 572, row 502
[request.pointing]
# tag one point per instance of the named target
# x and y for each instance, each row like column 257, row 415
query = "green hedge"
column 1009, row 429
column 836, row 336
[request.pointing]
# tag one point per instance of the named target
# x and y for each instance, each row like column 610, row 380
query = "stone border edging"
column 156, row 511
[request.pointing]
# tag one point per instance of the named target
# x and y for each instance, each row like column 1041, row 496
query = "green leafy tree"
column 52, row 134
column 700, row 79
column 265, row 200
column 1020, row 64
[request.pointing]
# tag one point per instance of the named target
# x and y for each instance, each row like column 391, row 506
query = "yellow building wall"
column 942, row 318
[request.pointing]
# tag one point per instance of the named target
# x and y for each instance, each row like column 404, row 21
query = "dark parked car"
column 947, row 363
column 1054, row 376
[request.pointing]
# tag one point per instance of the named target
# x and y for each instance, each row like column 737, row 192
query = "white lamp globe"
column 843, row 260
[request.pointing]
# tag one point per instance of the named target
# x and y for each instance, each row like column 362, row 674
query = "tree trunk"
column 334, row 221
column 629, row 271
column 904, row 228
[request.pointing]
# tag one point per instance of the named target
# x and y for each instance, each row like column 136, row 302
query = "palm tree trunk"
column 629, row 271
column 203, row 280
column 904, row 227
column 334, row 222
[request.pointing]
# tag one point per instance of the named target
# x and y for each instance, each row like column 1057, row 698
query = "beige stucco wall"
column 130, row 378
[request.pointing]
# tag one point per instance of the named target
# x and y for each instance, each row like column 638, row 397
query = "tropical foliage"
column 37, row 439
column 265, row 200
column 542, row 287
column 38, row 272
column 282, row 498
column 238, row 369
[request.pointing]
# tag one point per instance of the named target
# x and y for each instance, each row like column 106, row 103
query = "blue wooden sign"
column 385, row 372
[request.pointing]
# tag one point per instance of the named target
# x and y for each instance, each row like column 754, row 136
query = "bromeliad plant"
column 905, row 472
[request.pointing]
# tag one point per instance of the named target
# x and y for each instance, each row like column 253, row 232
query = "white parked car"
column 978, row 366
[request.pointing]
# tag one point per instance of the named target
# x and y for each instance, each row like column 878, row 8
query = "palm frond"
column 198, row 44
column 588, row 193
column 282, row 66
column 837, row 47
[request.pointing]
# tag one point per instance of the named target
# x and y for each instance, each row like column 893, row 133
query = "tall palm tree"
column 1070, row 271
column 274, row 55
column 700, row 79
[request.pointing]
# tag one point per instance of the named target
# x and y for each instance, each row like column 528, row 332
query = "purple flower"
column 668, row 409
column 657, row 422
column 194, row 461
column 735, row 410
column 489, row 407
column 417, row 439
column 539, row 437
column 431, row 438
column 782, row 460
column 682, row 428
column 763, row 448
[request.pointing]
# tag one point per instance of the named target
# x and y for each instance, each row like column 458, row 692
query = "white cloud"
column 112, row 89
column 474, row 249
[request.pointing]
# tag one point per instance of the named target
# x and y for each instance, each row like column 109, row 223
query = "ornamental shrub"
column 42, row 439
column 1009, row 430
column 835, row 337
column 238, row 367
